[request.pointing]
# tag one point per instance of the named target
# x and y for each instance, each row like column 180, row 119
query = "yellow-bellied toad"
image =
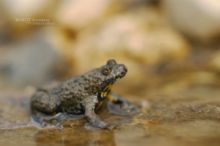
column 80, row 95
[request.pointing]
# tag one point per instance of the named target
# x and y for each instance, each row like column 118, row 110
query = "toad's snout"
column 122, row 70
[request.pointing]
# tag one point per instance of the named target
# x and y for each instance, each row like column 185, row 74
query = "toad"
column 81, row 95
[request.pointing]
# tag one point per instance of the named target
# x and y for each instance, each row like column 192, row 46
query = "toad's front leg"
column 89, row 104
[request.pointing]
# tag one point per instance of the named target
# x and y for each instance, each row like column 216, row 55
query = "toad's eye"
column 106, row 71
column 111, row 62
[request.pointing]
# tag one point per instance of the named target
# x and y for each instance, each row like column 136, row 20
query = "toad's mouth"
column 120, row 76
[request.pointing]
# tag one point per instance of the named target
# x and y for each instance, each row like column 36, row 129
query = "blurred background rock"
column 42, row 41
column 198, row 19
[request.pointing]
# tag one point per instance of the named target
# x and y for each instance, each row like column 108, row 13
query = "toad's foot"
column 93, row 120
column 54, row 121
column 120, row 106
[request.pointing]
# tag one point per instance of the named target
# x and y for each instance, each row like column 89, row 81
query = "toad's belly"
column 78, row 109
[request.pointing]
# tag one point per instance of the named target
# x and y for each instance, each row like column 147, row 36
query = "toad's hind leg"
column 43, row 120
column 44, row 102
column 43, row 108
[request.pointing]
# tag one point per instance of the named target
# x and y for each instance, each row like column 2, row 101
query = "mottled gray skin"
column 80, row 95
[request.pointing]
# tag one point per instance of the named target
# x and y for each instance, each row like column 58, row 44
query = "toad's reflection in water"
column 78, row 136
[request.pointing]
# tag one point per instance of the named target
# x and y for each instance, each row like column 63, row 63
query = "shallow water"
column 198, row 132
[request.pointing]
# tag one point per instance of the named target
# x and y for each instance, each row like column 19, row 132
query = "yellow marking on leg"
column 107, row 88
column 104, row 94
column 106, row 91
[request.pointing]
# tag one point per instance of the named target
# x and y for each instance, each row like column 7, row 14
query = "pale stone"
column 198, row 19
column 80, row 13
